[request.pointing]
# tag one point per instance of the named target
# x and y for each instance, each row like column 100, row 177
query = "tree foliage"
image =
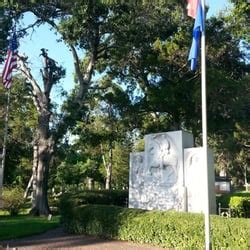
column 139, row 50
column 20, row 133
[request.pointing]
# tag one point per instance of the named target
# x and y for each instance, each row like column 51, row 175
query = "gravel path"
column 58, row 239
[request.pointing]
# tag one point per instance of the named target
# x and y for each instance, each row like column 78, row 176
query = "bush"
column 240, row 206
column 238, row 202
column 101, row 197
column 13, row 199
column 166, row 229
column 54, row 203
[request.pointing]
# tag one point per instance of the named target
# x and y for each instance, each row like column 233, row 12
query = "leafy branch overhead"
column 131, row 77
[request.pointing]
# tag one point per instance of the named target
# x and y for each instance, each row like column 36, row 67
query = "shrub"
column 54, row 204
column 166, row 229
column 240, row 206
column 238, row 202
column 102, row 197
column 13, row 199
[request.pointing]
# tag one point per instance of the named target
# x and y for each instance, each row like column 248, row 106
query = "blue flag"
column 198, row 28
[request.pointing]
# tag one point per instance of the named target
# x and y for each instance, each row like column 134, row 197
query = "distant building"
column 222, row 184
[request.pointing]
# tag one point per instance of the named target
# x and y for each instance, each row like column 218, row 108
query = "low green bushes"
column 238, row 202
column 13, row 199
column 102, row 197
column 167, row 229
column 240, row 206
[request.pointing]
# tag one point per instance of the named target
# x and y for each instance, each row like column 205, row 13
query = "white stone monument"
column 195, row 179
column 158, row 176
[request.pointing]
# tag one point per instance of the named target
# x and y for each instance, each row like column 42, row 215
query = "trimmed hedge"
column 238, row 202
column 101, row 197
column 166, row 229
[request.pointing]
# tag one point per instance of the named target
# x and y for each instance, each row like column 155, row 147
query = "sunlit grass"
column 12, row 227
column 3, row 212
column 23, row 211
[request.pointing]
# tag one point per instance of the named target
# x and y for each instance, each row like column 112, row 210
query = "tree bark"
column 108, row 167
column 34, row 170
column 28, row 187
column 43, row 141
column 108, row 176
column 45, row 145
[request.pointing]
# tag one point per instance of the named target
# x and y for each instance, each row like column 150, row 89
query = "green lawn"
column 12, row 227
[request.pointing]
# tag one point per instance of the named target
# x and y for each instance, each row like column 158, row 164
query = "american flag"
column 10, row 63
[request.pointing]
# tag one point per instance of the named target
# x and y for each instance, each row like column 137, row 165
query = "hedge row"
column 166, row 229
column 101, row 197
column 238, row 202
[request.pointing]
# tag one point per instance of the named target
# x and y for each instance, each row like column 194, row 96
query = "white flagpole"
column 204, row 127
column 6, row 121
column 3, row 156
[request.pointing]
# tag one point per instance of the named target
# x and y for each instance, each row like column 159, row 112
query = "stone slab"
column 161, row 167
column 195, row 180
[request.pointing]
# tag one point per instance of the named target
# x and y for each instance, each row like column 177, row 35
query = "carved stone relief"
column 156, row 175
column 164, row 177
column 162, row 161
column 137, row 175
column 137, row 179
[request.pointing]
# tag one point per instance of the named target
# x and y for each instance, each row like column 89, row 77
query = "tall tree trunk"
column 108, row 176
column 34, row 170
column 28, row 187
column 44, row 143
column 108, row 166
column 44, row 154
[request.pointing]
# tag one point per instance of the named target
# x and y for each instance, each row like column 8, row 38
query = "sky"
column 44, row 37
column 215, row 6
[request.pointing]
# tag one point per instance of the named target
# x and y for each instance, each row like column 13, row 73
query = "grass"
column 3, row 212
column 12, row 227
column 23, row 211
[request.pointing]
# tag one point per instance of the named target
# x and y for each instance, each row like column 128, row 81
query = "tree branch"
column 36, row 23
column 37, row 93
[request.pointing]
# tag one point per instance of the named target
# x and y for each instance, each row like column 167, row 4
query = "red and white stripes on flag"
column 192, row 8
column 10, row 63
